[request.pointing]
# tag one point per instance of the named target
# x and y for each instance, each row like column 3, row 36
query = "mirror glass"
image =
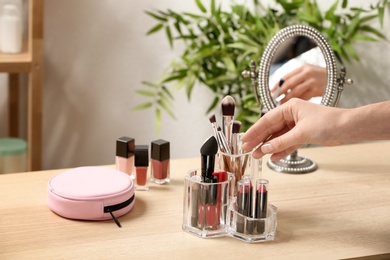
column 298, row 69
column 309, row 48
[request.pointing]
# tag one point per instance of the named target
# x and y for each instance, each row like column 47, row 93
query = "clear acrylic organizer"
column 210, row 211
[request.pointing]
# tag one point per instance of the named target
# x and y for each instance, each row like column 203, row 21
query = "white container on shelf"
column 11, row 29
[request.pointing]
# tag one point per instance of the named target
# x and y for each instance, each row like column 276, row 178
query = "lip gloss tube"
column 124, row 159
column 141, row 164
column 160, row 162
column 261, row 203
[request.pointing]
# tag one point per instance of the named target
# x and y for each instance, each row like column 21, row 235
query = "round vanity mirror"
column 319, row 46
column 277, row 42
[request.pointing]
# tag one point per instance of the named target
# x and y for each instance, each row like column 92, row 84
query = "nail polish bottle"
column 141, row 163
column 160, row 162
column 124, row 160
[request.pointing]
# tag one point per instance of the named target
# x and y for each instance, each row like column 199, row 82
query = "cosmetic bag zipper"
column 110, row 209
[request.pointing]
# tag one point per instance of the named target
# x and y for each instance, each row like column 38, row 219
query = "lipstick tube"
column 124, row 159
column 212, row 207
column 202, row 201
column 160, row 162
column 244, row 203
column 261, row 203
column 141, row 163
column 194, row 204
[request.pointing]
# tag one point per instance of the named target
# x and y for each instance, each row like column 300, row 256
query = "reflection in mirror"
column 298, row 69
column 281, row 37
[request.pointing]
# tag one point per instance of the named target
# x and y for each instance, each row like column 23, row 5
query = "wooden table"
column 342, row 210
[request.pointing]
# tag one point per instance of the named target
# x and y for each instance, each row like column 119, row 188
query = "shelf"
column 18, row 62
column 30, row 62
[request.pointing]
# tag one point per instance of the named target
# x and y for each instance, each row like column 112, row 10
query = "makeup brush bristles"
column 212, row 118
column 228, row 105
column 236, row 127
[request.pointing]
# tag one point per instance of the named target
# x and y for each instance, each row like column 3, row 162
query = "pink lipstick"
column 261, row 202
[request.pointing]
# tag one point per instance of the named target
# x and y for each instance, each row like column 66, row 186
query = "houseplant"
column 219, row 45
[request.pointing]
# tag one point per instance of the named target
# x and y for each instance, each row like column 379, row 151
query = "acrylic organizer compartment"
column 250, row 217
column 205, row 205
column 209, row 211
column 241, row 165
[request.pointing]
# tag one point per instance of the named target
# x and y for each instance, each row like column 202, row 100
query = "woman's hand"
column 304, row 82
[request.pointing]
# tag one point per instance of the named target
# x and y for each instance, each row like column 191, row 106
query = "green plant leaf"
column 150, row 84
column 367, row 18
column 229, row 63
column 143, row 106
column 213, row 104
column 167, row 92
column 146, row 93
column 200, row 6
column 156, row 16
column 193, row 16
column 157, row 120
column 353, row 26
column 344, row 4
column 372, row 30
column 213, row 7
column 363, row 37
column 169, row 36
column 166, row 107
column 176, row 75
column 329, row 15
column 381, row 13
column 190, row 86
column 155, row 29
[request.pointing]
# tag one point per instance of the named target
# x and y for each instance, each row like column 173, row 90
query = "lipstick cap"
column 141, row 155
column 125, row 147
column 160, row 150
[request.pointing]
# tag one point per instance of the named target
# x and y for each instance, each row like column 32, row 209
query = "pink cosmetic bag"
column 91, row 193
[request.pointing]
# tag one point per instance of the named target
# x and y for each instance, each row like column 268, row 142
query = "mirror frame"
column 270, row 51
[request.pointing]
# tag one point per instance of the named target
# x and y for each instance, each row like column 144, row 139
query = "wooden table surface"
column 342, row 210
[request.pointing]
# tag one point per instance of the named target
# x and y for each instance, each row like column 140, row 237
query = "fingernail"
column 266, row 148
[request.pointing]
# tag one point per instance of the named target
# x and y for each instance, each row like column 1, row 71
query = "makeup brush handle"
column 227, row 127
column 224, row 146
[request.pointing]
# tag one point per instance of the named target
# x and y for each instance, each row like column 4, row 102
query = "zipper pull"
column 114, row 218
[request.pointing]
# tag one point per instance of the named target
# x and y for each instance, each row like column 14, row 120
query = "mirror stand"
column 293, row 164
column 335, row 85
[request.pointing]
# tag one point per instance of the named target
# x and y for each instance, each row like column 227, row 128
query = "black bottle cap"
column 141, row 155
column 125, row 146
column 160, row 150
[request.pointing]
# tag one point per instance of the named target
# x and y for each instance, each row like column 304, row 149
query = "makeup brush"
column 213, row 122
column 224, row 148
column 235, row 136
column 228, row 105
column 208, row 151
column 221, row 138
